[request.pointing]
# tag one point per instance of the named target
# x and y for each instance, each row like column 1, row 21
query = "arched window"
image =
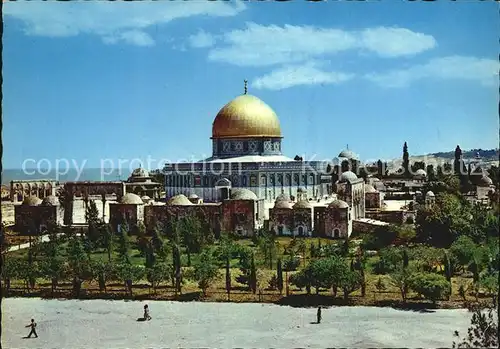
column 336, row 233
column 263, row 181
column 311, row 179
column 301, row 231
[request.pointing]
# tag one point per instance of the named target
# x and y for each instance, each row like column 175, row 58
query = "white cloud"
column 112, row 21
column 133, row 37
column 201, row 39
column 484, row 71
column 306, row 74
column 259, row 45
column 394, row 42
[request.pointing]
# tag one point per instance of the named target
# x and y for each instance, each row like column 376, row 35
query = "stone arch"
column 300, row 230
column 288, row 179
column 280, row 230
column 336, row 233
column 26, row 189
column 41, row 190
column 263, row 181
column 48, row 189
column 311, row 179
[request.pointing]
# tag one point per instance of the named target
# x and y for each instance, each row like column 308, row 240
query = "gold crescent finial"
column 246, row 89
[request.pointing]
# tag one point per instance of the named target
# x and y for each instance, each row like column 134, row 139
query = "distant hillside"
column 486, row 155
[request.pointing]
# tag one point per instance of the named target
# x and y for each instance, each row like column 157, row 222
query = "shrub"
column 430, row 285
column 273, row 283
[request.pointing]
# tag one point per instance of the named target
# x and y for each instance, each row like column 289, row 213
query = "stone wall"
column 394, row 217
column 33, row 219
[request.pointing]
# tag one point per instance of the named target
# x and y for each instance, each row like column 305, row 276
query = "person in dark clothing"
column 318, row 315
column 146, row 313
column 33, row 328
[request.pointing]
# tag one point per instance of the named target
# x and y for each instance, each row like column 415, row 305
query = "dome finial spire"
column 246, row 89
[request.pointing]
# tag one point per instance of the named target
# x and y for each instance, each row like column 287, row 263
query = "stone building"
column 430, row 199
column 33, row 216
column 247, row 153
column 142, row 184
column 240, row 213
column 337, row 221
column 291, row 219
column 373, row 197
column 130, row 210
column 351, row 189
column 40, row 188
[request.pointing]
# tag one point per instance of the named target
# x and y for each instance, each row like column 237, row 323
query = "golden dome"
column 246, row 116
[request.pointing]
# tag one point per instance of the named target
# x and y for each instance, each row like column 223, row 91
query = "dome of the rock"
column 246, row 116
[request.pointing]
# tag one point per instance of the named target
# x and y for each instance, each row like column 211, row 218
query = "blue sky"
column 110, row 80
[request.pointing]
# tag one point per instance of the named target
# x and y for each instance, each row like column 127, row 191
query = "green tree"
column 430, row 285
column 406, row 161
column 29, row 273
column 225, row 250
column 191, row 235
column 93, row 220
column 106, row 239
column 245, row 258
column 302, row 249
column 159, row 243
column 78, row 262
column 129, row 273
column 54, row 268
column 253, row 276
column 462, row 250
column 177, row 268
column 400, row 279
column 123, row 247
column 380, row 285
column 441, row 224
column 158, row 273
column 489, row 282
column 206, row 270
column 483, row 332
column 448, row 270
column 267, row 246
column 279, row 273
column 142, row 242
column 11, row 269
column 405, row 234
column 390, row 259
column 290, row 264
column 102, row 272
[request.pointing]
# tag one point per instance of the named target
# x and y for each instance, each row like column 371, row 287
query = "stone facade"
column 39, row 188
column 267, row 180
column 32, row 218
column 395, row 217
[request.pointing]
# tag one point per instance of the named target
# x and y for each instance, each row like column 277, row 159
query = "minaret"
column 246, row 89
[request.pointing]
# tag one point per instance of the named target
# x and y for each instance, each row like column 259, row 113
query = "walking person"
column 33, row 328
column 318, row 315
